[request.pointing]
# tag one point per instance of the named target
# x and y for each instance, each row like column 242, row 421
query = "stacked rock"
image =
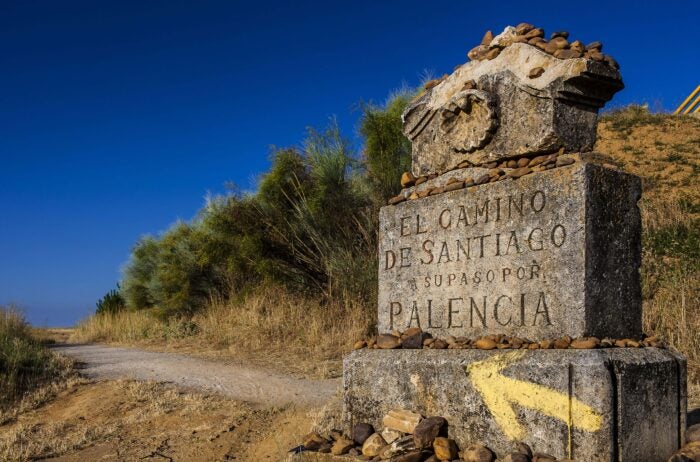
column 559, row 45
column 408, row 436
column 416, row 338
column 511, row 169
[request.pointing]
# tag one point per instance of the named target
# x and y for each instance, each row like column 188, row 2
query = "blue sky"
column 118, row 117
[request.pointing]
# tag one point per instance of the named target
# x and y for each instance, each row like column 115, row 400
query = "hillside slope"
column 664, row 150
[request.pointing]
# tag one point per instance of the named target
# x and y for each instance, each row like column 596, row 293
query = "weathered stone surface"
column 387, row 341
column 401, row 420
column 693, row 433
column 550, row 254
column 400, row 446
column 390, row 435
column 478, row 453
column 373, row 445
column 535, row 72
column 361, row 431
column 313, row 441
column 541, row 457
column 618, row 401
column 445, row 448
column 516, row 457
column 407, row 179
column 508, row 114
column 485, row 344
column 341, row 446
column 689, row 452
column 681, row 458
column 413, row 456
column 427, row 430
column 414, row 339
column 523, row 448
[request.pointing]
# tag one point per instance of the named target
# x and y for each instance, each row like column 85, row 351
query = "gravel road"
column 238, row 382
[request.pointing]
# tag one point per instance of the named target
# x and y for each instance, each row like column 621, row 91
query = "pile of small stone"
column 511, row 169
column 409, row 437
column 416, row 338
column 558, row 46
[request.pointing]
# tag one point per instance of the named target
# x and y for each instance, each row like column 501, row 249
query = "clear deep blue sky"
column 117, row 117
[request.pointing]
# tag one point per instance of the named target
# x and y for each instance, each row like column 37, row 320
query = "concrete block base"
column 592, row 405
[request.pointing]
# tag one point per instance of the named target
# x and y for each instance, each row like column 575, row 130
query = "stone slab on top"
column 496, row 107
column 551, row 254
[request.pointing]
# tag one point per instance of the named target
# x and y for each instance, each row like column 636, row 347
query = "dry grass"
column 29, row 441
column 671, row 278
column 662, row 149
column 271, row 325
column 42, row 393
column 129, row 420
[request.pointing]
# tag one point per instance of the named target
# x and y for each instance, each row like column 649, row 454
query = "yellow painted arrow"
column 501, row 393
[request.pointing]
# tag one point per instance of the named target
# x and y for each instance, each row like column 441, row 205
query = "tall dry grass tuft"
column 122, row 327
column 671, row 276
column 275, row 318
column 268, row 321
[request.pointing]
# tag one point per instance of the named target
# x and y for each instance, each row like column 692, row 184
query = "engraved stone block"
column 550, row 254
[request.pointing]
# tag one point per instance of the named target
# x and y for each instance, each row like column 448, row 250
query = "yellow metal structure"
column 687, row 106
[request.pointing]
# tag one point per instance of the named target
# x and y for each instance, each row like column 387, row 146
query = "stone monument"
column 511, row 264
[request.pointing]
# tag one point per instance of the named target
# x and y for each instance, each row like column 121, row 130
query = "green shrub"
column 139, row 273
column 311, row 226
column 111, row 302
column 387, row 151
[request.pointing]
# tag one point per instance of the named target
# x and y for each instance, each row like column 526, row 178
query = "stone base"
column 589, row 405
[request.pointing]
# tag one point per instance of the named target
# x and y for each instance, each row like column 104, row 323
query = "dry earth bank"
column 131, row 420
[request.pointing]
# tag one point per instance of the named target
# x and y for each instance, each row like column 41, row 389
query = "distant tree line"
column 311, row 226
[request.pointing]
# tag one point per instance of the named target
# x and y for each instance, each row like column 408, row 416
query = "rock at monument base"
column 550, row 254
column 592, row 405
column 318, row 457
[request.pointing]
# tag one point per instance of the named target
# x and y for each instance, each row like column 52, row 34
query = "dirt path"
column 234, row 381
